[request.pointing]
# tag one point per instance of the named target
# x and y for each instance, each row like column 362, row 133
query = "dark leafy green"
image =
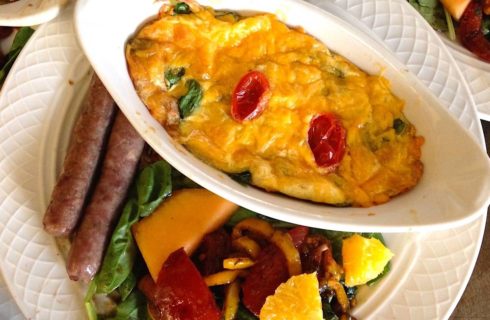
column 239, row 215
column 119, row 259
column 399, row 126
column 161, row 187
column 328, row 313
column 244, row 178
column 191, row 100
column 243, row 314
column 433, row 12
column 173, row 76
column 180, row 181
column 152, row 185
column 485, row 26
column 127, row 286
column 19, row 42
column 182, row 8
column 133, row 308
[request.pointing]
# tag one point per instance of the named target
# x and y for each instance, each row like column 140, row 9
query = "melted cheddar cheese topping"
column 306, row 79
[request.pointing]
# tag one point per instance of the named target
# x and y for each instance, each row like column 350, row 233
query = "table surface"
column 475, row 301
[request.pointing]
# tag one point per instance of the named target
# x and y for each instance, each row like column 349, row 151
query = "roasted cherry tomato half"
column 326, row 138
column 470, row 32
column 250, row 96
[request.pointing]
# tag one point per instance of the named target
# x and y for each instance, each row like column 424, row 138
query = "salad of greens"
column 120, row 290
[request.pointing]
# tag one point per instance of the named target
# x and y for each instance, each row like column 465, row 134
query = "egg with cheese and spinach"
column 186, row 65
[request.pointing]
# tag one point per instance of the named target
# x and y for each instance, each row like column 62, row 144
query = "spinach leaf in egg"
column 191, row 100
column 172, row 76
column 182, row 8
column 399, row 126
column 242, row 177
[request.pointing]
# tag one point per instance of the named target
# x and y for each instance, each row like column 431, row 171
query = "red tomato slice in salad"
column 250, row 96
column 180, row 292
column 326, row 138
column 298, row 234
column 470, row 32
column 268, row 272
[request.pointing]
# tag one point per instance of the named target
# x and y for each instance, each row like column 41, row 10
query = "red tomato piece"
column 470, row 32
column 298, row 234
column 250, row 96
column 268, row 272
column 180, row 292
column 326, row 138
column 214, row 247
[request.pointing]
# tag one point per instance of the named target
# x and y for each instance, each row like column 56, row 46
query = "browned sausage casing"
column 123, row 152
column 81, row 161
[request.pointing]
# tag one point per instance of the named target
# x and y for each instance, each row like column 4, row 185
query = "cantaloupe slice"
column 180, row 221
column 456, row 7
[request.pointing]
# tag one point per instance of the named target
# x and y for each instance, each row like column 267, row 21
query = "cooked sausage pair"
column 72, row 202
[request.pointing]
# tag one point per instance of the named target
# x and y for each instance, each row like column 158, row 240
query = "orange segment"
column 296, row 299
column 363, row 259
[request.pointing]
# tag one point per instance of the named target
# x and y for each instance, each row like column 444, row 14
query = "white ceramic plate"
column 477, row 73
column 442, row 198
column 29, row 12
column 37, row 106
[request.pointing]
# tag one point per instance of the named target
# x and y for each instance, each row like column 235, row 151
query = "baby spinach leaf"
column 191, row 100
column 153, row 184
column 399, row 125
column 161, row 188
column 133, row 308
column 485, row 26
column 180, row 181
column 328, row 313
column 19, row 42
column 242, row 177
column 173, row 76
column 182, row 8
column 239, row 215
column 127, row 286
column 433, row 13
column 145, row 185
column 119, row 259
column 243, row 314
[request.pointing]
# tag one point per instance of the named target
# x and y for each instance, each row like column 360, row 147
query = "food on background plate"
column 467, row 21
column 273, row 107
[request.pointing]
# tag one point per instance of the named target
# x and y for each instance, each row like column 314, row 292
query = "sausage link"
column 81, row 160
column 120, row 163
